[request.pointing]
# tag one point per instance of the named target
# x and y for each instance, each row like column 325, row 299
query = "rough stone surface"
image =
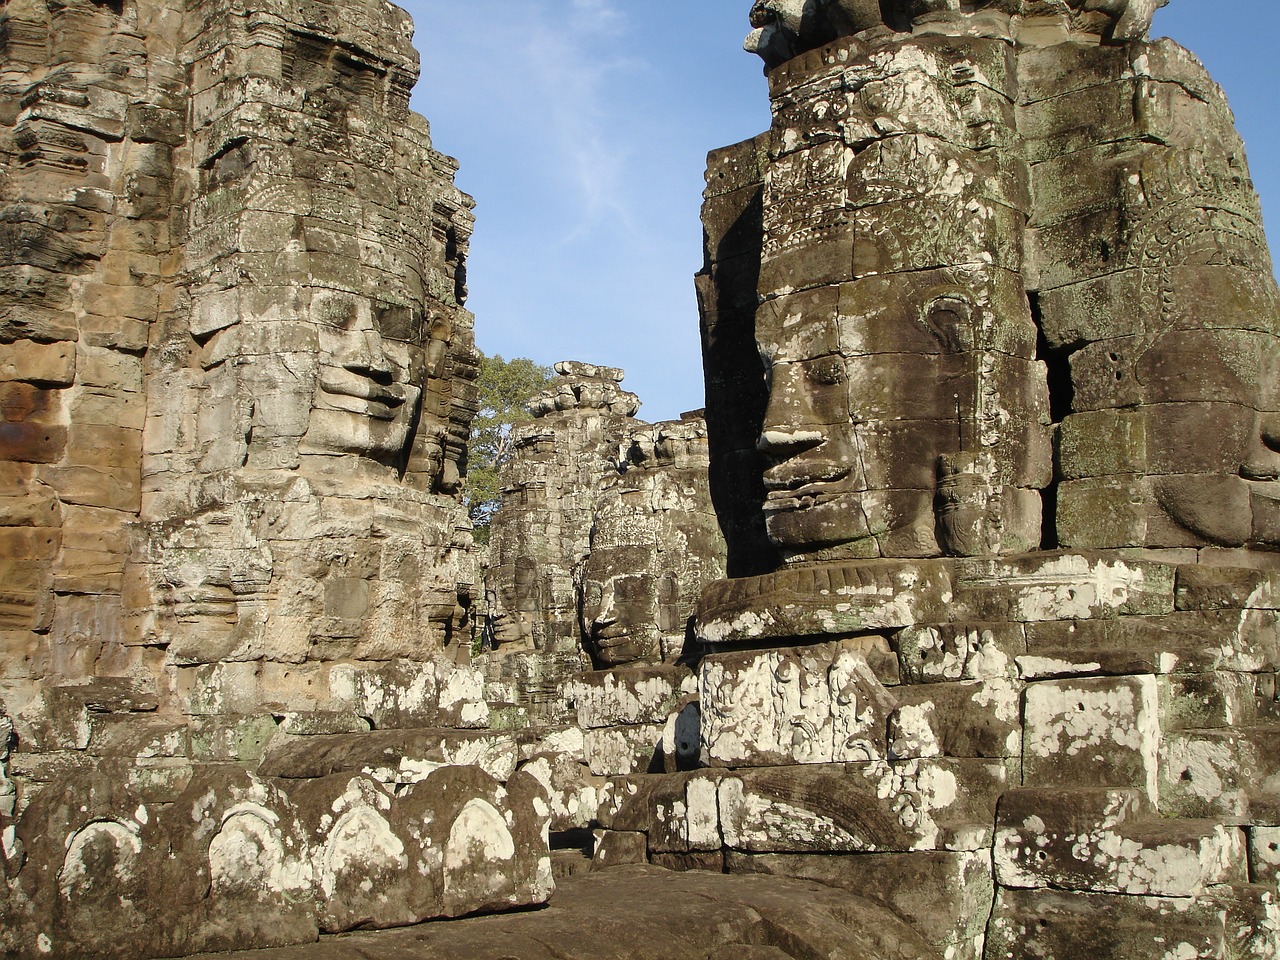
column 984, row 668
column 988, row 323
column 604, row 540
column 643, row 911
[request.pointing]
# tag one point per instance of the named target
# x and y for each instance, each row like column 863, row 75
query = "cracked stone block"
column 680, row 812
column 572, row 792
column 1181, row 642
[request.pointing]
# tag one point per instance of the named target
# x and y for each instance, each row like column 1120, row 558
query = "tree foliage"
column 505, row 387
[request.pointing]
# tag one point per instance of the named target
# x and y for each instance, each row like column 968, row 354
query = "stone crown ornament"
column 783, row 29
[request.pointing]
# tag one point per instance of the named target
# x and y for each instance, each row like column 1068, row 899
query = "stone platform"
column 646, row 913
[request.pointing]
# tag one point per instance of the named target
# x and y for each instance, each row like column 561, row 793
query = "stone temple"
column 949, row 630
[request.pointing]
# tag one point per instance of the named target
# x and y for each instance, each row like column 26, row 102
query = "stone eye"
column 829, row 371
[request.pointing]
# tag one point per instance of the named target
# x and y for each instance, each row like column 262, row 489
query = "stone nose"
column 789, row 422
column 1263, row 461
column 363, row 353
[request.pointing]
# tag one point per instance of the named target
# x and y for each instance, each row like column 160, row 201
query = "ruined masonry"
column 237, row 381
column 951, row 632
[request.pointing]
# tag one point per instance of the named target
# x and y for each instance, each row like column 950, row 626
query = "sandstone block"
column 240, row 867
column 47, row 364
column 413, row 694
column 1264, row 855
column 629, row 696
column 1192, row 642
column 1039, row 923
column 820, row 601
column 391, row 756
column 680, row 812
column 618, row 751
column 363, row 875
column 1099, row 732
column 968, row 719
column 1063, row 587
column 816, row 704
column 1098, row 841
column 571, row 793
column 876, row 807
column 1228, row 775
column 962, row 651
column 617, row 848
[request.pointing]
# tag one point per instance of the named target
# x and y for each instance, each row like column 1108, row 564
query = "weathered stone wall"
column 237, row 380
column 971, row 233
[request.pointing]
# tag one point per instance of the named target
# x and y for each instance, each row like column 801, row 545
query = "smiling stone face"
column 369, row 386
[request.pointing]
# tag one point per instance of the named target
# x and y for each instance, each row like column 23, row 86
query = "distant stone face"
column 604, row 540
column 654, row 545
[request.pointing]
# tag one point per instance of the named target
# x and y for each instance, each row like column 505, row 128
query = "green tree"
column 505, row 387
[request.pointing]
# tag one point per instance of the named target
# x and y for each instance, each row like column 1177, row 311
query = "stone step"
column 1110, row 841
column 392, row 756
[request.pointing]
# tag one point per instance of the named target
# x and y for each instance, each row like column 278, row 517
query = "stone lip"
column 851, row 597
column 644, row 911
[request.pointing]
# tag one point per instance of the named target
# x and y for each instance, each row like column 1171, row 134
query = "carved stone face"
column 369, row 381
column 619, row 593
column 869, row 395
column 510, row 627
column 817, row 479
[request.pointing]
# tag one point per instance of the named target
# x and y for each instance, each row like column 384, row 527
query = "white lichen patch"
column 361, row 844
column 247, row 857
column 478, row 850
column 92, row 846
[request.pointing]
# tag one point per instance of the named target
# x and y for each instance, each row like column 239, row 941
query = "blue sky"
column 582, row 128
